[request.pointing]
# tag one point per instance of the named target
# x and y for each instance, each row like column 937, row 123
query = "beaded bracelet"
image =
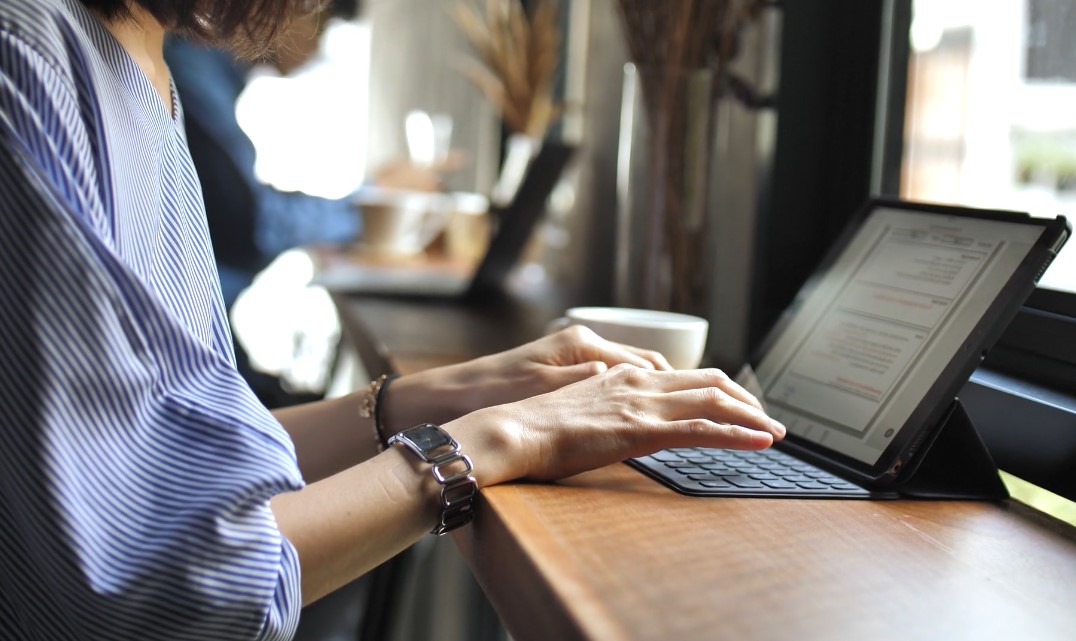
column 371, row 404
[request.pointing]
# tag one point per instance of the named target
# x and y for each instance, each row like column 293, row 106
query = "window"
column 322, row 150
column 989, row 122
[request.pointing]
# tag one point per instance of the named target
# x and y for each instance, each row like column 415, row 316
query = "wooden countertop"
column 611, row 555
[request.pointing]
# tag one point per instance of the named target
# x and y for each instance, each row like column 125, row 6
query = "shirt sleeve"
column 136, row 467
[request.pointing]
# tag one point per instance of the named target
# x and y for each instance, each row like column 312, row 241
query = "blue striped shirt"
column 136, row 466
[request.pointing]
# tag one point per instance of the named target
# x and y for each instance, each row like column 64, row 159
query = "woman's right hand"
column 622, row 413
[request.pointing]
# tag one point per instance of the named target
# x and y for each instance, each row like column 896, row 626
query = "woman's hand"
column 549, row 363
column 626, row 411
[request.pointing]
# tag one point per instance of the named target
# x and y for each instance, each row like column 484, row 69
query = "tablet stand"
column 954, row 464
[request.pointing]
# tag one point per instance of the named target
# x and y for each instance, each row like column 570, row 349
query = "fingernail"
column 778, row 428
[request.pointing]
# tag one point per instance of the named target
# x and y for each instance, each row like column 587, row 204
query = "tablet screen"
column 878, row 329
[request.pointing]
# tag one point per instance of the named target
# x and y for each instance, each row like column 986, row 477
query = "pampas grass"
column 516, row 60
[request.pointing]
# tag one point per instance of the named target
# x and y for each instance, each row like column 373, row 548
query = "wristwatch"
column 451, row 469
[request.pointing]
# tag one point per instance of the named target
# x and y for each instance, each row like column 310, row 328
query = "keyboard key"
column 743, row 481
column 717, row 484
column 719, row 469
column 831, row 480
column 764, row 477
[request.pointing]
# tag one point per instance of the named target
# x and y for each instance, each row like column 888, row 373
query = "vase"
column 663, row 178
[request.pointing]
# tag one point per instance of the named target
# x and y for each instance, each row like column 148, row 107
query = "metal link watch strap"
column 451, row 469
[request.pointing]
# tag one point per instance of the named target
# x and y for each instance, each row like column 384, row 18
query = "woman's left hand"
column 549, row 363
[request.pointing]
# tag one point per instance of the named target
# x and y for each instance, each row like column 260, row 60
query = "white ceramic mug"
column 681, row 338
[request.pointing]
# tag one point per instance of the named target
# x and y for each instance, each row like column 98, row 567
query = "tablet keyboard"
column 769, row 472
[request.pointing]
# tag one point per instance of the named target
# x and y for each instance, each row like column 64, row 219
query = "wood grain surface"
column 612, row 555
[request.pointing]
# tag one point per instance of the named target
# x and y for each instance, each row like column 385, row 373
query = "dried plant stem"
column 678, row 156
column 675, row 43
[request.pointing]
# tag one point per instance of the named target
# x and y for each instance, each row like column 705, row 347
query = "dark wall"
column 822, row 170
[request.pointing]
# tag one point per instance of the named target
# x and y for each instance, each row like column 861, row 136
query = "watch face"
column 429, row 437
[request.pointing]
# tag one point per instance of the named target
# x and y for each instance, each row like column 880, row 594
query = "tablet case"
column 953, row 464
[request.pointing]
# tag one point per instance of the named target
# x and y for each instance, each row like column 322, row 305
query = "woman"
column 144, row 492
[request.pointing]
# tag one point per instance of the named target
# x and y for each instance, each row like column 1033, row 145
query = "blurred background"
column 969, row 102
column 954, row 101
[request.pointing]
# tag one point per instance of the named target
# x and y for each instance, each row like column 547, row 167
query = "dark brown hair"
column 247, row 27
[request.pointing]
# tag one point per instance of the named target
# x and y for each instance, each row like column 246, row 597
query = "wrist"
column 421, row 397
column 493, row 438
column 450, row 468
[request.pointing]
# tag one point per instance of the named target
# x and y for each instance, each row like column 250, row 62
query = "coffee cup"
column 681, row 338
column 397, row 222
column 468, row 228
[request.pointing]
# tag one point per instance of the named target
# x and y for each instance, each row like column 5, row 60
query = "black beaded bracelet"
column 379, row 429
column 371, row 407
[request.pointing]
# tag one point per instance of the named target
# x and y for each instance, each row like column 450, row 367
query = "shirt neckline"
column 129, row 73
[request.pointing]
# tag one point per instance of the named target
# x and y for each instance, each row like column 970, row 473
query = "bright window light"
column 990, row 109
column 309, row 128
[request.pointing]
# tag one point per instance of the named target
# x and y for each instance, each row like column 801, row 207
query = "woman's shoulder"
column 37, row 19
column 42, row 28
column 29, row 12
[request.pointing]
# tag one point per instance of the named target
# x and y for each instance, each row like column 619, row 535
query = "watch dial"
column 430, row 437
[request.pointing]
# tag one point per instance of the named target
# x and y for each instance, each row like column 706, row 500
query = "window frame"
column 1040, row 344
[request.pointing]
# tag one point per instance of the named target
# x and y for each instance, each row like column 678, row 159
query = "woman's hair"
column 247, row 27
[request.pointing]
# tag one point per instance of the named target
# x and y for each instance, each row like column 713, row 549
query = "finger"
column 588, row 346
column 703, row 433
column 712, row 377
column 657, row 360
column 732, row 388
column 613, row 354
column 713, row 404
column 697, row 432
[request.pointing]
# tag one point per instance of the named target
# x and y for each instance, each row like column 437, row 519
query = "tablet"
column 878, row 343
